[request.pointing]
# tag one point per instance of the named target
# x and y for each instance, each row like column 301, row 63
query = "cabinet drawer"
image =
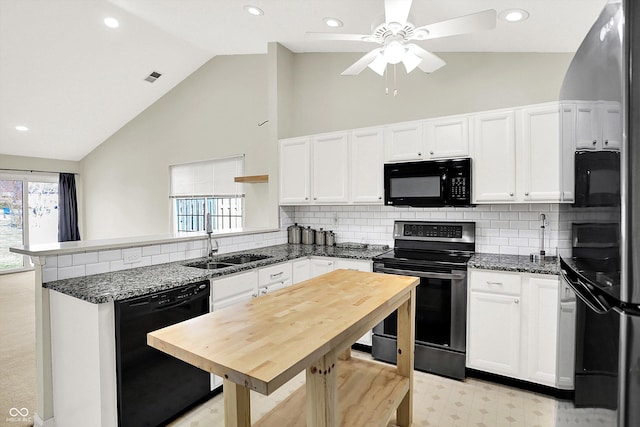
column 490, row 281
column 353, row 264
column 226, row 287
column 274, row 274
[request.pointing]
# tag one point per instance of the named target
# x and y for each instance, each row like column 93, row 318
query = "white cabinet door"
column 330, row 168
column 494, row 333
column 274, row 277
column 494, row 159
column 566, row 345
column 611, row 125
column 540, row 154
column 301, row 270
column 229, row 290
column 353, row 264
column 447, row 137
column 403, row 142
column 567, row 141
column 318, row 266
column 587, row 126
column 367, row 166
column 294, row 171
column 541, row 296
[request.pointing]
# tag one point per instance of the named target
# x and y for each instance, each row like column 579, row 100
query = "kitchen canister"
column 294, row 233
column 330, row 238
column 308, row 235
column 320, row 237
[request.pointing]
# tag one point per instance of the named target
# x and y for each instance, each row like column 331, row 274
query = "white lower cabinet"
column 229, row 290
column 512, row 325
column 301, row 270
column 274, row 277
column 320, row 265
column 359, row 265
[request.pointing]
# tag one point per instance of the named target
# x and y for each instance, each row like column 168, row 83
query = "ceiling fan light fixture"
column 111, row 22
column 22, row 128
column 394, row 52
column 514, row 15
column 379, row 64
column 421, row 34
column 253, row 10
column 395, row 27
column 332, row 22
column 411, row 61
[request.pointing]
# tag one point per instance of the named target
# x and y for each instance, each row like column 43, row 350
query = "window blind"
column 211, row 178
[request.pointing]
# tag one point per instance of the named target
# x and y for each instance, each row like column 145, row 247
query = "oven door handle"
column 425, row 274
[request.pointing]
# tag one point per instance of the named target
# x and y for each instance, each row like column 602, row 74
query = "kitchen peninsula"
column 265, row 342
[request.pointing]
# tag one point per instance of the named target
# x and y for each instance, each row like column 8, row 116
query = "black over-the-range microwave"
column 432, row 183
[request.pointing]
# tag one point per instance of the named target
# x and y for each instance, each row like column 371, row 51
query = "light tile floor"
column 441, row 402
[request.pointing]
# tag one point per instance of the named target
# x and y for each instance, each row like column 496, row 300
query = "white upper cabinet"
column 404, row 142
column 541, row 153
column 494, row 157
column 367, row 166
column 567, row 167
column 294, row 171
column 446, row 137
column 598, row 126
column 330, row 168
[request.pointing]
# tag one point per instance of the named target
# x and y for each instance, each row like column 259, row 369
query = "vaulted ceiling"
column 74, row 82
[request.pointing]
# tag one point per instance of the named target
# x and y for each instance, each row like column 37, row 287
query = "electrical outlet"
column 129, row 256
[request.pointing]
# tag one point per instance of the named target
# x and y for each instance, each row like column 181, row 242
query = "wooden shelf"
column 368, row 395
column 253, row 179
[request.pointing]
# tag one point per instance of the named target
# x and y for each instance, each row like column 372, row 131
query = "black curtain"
column 67, row 208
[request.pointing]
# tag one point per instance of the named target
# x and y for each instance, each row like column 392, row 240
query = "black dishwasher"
column 154, row 387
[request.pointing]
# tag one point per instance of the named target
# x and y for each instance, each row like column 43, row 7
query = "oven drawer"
column 491, row 281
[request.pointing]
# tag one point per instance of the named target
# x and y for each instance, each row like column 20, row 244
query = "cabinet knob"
column 517, row 301
column 594, row 142
column 511, row 194
column 254, row 295
column 431, row 152
column 606, row 142
column 315, row 198
column 330, row 263
column 306, row 198
column 263, row 291
column 419, row 154
column 526, row 194
column 379, row 197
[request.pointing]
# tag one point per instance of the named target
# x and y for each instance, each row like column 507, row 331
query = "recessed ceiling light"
column 111, row 22
column 332, row 22
column 513, row 15
column 253, row 10
column 22, row 128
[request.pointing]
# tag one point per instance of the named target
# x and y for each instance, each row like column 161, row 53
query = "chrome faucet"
column 212, row 246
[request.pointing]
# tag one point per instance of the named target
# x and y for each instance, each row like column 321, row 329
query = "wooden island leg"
column 237, row 405
column 406, row 343
column 322, row 392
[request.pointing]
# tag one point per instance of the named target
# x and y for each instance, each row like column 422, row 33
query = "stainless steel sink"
column 226, row 262
column 243, row 259
column 209, row 265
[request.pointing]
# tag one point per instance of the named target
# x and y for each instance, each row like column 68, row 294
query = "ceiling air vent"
column 152, row 77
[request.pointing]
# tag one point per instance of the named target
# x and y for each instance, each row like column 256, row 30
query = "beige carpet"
column 17, row 350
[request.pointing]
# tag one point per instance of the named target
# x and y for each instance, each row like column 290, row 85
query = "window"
column 203, row 188
column 28, row 216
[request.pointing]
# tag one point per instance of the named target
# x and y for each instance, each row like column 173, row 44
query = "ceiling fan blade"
column 484, row 20
column 430, row 62
column 397, row 11
column 338, row 36
column 361, row 64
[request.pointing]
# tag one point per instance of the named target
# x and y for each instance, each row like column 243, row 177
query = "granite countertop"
column 515, row 263
column 114, row 286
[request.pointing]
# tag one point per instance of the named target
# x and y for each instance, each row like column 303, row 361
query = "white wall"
column 213, row 113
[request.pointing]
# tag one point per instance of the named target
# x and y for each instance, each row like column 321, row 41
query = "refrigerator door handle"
column 584, row 293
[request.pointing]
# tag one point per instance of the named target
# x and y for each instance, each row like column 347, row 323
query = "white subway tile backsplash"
column 51, row 261
column 177, row 256
column 168, row 248
column 110, row 255
column 69, row 272
column 49, row 274
column 65, row 261
column 84, row 258
column 97, row 268
column 151, row 250
column 160, row 259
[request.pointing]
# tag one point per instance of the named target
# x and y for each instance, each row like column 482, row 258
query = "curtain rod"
column 33, row 171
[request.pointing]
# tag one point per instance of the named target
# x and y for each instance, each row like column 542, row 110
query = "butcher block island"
column 263, row 343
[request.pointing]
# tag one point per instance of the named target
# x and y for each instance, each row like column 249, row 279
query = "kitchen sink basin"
column 243, row 259
column 227, row 262
column 209, row 265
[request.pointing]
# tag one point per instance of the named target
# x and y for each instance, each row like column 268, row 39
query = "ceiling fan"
column 396, row 33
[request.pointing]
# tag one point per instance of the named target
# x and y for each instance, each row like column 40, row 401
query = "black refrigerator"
column 600, row 132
